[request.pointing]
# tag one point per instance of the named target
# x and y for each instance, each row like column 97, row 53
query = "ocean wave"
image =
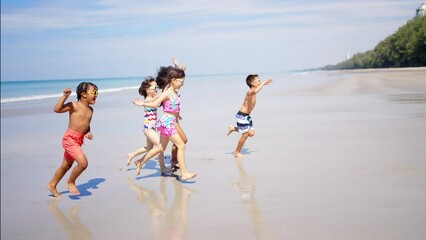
column 56, row 95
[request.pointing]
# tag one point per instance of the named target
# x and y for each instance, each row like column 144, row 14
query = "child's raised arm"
column 176, row 63
column 60, row 107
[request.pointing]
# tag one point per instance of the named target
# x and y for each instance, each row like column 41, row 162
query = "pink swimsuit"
column 166, row 124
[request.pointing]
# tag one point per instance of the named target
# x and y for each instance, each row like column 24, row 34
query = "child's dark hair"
column 145, row 85
column 166, row 74
column 83, row 87
column 250, row 78
column 161, row 78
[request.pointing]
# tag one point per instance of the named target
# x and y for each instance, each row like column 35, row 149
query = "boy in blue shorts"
column 244, row 122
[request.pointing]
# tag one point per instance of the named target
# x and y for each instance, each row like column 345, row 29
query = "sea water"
column 33, row 90
column 18, row 91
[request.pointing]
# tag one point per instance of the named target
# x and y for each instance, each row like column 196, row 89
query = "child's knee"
column 84, row 165
column 251, row 133
column 82, row 162
column 181, row 146
column 66, row 165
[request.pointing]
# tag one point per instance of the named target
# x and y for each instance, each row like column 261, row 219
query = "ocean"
column 33, row 90
column 18, row 91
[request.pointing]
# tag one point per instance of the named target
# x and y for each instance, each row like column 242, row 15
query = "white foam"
column 47, row 96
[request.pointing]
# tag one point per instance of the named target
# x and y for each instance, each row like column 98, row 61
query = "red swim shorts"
column 72, row 142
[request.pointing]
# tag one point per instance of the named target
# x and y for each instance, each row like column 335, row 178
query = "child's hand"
column 89, row 136
column 175, row 62
column 138, row 102
column 67, row 92
column 269, row 81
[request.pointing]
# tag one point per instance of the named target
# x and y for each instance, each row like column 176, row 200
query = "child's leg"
column 164, row 141
column 59, row 174
column 82, row 165
column 182, row 135
column 175, row 138
column 148, row 147
column 153, row 140
column 231, row 129
column 131, row 155
column 240, row 145
column 161, row 148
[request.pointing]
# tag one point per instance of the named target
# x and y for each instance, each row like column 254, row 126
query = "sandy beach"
column 336, row 155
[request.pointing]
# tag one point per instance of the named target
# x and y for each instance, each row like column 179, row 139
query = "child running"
column 171, row 107
column 148, row 90
column 161, row 79
column 244, row 122
column 80, row 115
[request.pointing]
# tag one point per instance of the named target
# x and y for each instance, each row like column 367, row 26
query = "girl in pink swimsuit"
column 148, row 89
column 171, row 104
column 171, row 108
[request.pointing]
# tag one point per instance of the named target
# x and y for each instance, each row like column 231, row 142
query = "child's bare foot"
column 230, row 129
column 129, row 158
column 188, row 176
column 139, row 168
column 166, row 170
column 238, row 155
column 53, row 190
column 73, row 188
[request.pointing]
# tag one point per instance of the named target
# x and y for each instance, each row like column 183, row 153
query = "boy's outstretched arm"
column 267, row 82
column 60, row 107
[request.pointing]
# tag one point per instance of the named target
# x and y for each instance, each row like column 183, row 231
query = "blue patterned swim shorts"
column 244, row 122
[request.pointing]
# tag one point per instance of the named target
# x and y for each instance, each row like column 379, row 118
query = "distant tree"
column 405, row 48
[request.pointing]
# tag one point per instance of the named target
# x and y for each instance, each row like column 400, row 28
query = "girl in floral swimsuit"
column 148, row 89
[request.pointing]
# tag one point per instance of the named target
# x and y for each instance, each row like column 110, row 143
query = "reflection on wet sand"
column 72, row 225
column 166, row 222
column 246, row 185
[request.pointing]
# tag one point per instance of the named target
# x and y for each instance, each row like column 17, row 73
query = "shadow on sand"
column 84, row 188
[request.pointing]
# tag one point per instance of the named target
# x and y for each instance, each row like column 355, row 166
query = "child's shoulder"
column 73, row 103
column 79, row 105
column 251, row 91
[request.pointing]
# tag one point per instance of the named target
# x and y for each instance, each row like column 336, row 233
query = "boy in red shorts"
column 80, row 115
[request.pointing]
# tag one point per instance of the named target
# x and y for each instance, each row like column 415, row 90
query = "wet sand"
column 336, row 155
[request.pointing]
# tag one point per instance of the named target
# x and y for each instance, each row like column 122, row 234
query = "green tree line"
column 405, row 48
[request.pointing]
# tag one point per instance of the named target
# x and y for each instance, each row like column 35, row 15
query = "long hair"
column 166, row 74
column 83, row 87
column 161, row 78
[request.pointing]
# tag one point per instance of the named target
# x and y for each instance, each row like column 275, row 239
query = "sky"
column 77, row 39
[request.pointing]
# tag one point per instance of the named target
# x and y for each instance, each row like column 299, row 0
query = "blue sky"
column 66, row 39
